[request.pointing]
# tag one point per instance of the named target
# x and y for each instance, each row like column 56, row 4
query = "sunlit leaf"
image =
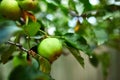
column 32, row 28
column 54, row 2
column 79, row 8
column 101, row 36
column 45, row 65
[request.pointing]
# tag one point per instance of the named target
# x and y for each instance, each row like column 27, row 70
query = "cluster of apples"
column 49, row 48
column 12, row 9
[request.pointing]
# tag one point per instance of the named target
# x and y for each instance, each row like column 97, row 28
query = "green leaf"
column 53, row 2
column 76, row 41
column 72, row 4
column 73, row 40
column 94, row 60
column 32, row 28
column 35, row 63
column 105, row 61
column 77, row 55
column 7, row 54
column 101, row 36
column 45, row 65
column 79, row 8
column 2, row 48
column 87, row 5
column 89, row 36
column 64, row 9
column 28, row 73
column 80, row 5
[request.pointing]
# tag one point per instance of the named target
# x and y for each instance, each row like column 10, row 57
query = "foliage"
column 78, row 24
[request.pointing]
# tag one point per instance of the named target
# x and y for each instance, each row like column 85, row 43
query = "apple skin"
column 20, row 60
column 50, row 48
column 10, row 9
column 28, row 4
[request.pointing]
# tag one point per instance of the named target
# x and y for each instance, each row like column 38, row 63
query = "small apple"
column 20, row 60
column 10, row 9
column 28, row 4
column 50, row 48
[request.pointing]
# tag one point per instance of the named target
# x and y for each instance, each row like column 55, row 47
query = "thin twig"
column 18, row 45
column 30, row 52
column 45, row 33
column 35, row 37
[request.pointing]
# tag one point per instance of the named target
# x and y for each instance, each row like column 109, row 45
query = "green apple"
column 28, row 4
column 20, row 60
column 50, row 48
column 10, row 9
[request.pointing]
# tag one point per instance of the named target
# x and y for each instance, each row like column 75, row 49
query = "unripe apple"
column 28, row 4
column 20, row 60
column 50, row 48
column 10, row 9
